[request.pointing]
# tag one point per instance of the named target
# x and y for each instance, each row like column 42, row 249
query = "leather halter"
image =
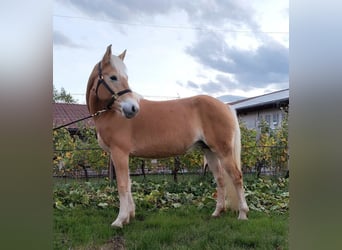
column 115, row 95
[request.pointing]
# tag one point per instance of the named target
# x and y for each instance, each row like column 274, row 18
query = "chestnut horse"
column 128, row 125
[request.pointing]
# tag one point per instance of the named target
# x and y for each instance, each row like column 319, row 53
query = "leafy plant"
column 265, row 195
column 268, row 195
column 74, row 153
column 62, row 160
column 265, row 147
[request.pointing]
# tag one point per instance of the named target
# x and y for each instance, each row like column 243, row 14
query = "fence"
column 80, row 163
column 88, row 163
column 265, row 160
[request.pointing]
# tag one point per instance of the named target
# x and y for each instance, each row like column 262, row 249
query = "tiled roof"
column 64, row 113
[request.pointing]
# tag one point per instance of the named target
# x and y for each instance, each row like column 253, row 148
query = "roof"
column 262, row 100
column 64, row 113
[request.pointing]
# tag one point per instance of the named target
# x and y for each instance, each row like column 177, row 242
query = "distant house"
column 266, row 107
column 64, row 113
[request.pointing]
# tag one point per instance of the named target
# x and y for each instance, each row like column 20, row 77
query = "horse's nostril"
column 135, row 109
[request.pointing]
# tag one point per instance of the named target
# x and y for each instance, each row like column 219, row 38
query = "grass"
column 186, row 227
column 182, row 228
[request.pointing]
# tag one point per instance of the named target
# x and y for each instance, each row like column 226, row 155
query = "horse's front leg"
column 127, row 207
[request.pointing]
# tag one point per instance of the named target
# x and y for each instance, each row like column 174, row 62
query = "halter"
column 115, row 96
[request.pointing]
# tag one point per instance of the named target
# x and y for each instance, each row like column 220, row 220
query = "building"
column 269, row 107
column 64, row 113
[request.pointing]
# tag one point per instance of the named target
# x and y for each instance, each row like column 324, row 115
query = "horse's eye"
column 113, row 78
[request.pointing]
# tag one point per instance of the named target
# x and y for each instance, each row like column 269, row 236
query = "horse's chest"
column 102, row 144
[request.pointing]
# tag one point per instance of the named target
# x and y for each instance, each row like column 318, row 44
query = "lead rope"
column 90, row 116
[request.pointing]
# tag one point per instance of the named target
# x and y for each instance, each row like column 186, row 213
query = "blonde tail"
column 232, row 199
column 237, row 140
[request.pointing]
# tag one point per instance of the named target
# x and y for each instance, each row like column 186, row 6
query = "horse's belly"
column 161, row 148
column 160, row 153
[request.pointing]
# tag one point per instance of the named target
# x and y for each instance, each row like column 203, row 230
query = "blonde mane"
column 118, row 64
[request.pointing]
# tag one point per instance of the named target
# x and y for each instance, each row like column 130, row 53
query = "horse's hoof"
column 218, row 211
column 117, row 223
column 215, row 214
column 242, row 216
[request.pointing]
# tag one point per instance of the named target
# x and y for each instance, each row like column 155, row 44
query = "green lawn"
column 182, row 228
column 80, row 223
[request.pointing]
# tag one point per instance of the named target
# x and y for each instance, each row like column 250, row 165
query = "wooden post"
column 143, row 168
column 85, row 171
column 176, row 168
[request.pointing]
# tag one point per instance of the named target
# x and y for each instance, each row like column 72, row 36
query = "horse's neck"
column 95, row 104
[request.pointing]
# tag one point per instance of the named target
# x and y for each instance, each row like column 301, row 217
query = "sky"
column 228, row 49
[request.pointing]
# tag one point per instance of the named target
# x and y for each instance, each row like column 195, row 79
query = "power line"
column 155, row 97
column 159, row 26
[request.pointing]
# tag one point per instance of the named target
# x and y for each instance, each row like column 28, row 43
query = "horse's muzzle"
column 130, row 108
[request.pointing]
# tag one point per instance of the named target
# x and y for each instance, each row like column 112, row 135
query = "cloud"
column 191, row 84
column 201, row 13
column 212, row 87
column 230, row 98
column 59, row 39
column 220, row 84
column 268, row 64
column 261, row 67
column 219, row 14
column 121, row 10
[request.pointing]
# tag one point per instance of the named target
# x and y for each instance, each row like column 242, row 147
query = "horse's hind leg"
column 216, row 169
column 127, row 207
column 236, row 176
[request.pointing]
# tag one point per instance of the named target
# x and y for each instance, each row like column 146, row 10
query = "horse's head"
column 110, row 84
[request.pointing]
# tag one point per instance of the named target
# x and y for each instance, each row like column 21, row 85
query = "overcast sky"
column 175, row 48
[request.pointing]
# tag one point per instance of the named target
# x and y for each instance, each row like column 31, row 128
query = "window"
column 268, row 119
column 275, row 119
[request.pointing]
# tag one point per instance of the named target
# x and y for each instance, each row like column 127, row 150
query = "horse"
column 129, row 125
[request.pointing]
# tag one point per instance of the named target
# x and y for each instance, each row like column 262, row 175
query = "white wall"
column 273, row 116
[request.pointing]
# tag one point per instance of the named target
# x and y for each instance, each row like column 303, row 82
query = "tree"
column 62, row 96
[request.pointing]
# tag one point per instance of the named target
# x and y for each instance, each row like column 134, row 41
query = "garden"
column 173, row 208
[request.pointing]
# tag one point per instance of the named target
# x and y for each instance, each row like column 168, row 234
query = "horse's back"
column 194, row 102
column 184, row 111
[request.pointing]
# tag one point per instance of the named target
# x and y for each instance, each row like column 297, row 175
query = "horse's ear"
column 122, row 55
column 108, row 55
